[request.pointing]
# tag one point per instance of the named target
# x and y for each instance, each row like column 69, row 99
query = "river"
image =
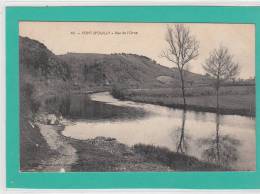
column 225, row 139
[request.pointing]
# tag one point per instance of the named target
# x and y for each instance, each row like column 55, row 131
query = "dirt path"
column 66, row 154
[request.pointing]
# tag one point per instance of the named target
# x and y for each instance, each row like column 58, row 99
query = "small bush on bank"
column 117, row 92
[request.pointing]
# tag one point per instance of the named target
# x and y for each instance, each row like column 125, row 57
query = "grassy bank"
column 238, row 100
column 33, row 147
column 175, row 161
column 107, row 154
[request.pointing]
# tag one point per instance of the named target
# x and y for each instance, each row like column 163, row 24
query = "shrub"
column 117, row 92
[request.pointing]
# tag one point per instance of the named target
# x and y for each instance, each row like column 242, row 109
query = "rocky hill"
column 36, row 60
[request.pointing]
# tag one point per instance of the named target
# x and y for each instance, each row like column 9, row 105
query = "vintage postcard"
column 98, row 97
column 102, row 97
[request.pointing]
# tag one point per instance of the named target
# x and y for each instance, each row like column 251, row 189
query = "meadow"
column 233, row 99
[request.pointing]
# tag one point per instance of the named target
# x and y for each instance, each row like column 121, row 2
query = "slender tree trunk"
column 183, row 89
column 217, row 138
column 217, row 100
column 182, row 141
column 217, row 124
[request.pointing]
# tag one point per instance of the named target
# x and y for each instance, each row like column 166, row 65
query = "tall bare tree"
column 221, row 67
column 182, row 48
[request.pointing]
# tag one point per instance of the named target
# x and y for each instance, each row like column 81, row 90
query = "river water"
column 225, row 139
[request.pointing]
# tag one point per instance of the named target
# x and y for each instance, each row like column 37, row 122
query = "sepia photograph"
column 136, row 97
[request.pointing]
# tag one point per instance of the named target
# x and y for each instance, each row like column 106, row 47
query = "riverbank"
column 33, row 146
column 243, row 105
column 107, row 154
column 65, row 154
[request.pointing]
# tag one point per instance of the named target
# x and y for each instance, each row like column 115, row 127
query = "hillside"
column 130, row 70
column 127, row 69
column 91, row 70
column 41, row 73
column 37, row 61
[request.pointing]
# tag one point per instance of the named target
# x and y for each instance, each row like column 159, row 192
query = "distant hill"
column 130, row 70
column 127, row 69
column 38, row 61
column 90, row 69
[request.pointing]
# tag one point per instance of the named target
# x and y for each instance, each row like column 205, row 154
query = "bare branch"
column 220, row 65
column 168, row 56
column 182, row 48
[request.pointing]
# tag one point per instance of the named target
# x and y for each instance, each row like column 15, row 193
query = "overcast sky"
column 144, row 39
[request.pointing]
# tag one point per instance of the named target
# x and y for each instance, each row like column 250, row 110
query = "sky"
column 146, row 39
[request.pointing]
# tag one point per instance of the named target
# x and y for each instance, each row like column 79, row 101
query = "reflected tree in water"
column 220, row 149
column 182, row 138
column 58, row 104
column 80, row 106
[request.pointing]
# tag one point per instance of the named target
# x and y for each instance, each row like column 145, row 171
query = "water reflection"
column 220, row 149
column 80, row 106
column 219, row 136
column 182, row 141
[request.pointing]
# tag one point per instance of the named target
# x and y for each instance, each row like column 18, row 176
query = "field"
column 233, row 99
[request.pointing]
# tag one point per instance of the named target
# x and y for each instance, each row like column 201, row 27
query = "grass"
column 175, row 161
column 189, row 91
column 107, row 154
column 233, row 99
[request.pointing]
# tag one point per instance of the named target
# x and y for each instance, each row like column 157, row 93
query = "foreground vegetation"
column 107, row 154
column 175, row 161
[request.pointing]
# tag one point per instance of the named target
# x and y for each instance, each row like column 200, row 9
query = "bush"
column 117, row 92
